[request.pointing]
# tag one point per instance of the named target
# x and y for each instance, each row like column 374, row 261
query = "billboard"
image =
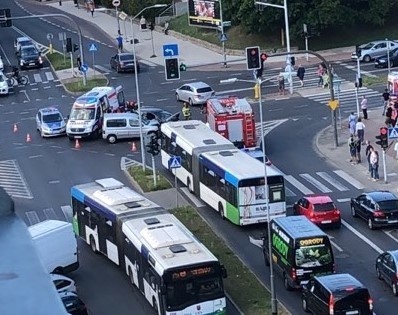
column 204, row 13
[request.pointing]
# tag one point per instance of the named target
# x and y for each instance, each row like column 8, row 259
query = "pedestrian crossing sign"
column 174, row 162
column 92, row 48
column 333, row 104
column 393, row 133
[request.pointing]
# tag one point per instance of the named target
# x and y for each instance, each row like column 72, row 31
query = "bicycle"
column 17, row 80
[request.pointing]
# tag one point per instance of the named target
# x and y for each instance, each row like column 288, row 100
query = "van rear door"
column 353, row 301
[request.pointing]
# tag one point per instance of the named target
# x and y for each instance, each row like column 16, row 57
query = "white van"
column 56, row 244
column 126, row 126
column 87, row 114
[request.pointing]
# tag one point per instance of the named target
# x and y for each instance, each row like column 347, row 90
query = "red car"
column 320, row 210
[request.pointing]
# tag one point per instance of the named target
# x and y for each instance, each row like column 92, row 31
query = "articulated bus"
column 227, row 179
column 175, row 272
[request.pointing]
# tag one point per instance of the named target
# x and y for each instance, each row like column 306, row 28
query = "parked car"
column 29, row 56
column 124, row 62
column 372, row 50
column 320, row 210
column 378, row 208
column 195, row 93
column 50, row 122
column 382, row 62
column 62, row 283
column 387, row 269
column 73, row 304
column 21, row 42
column 4, row 88
column 1, row 64
column 336, row 294
column 158, row 114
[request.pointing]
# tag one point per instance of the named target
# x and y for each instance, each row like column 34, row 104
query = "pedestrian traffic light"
column 75, row 47
column 358, row 51
column 5, row 18
column 383, row 138
column 68, row 44
column 172, row 69
column 253, row 58
column 358, row 83
column 153, row 146
column 292, row 61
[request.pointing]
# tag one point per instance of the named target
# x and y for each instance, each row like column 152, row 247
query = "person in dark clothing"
column 368, row 151
column 358, row 150
column 79, row 63
column 386, row 98
column 300, row 74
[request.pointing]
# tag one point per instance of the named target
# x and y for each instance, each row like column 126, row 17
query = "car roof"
column 153, row 109
column 23, row 39
column 381, row 195
column 120, row 115
column 394, row 253
column 318, row 199
column 197, row 85
column 49, row 110
column 338, row 282
column 28, row 47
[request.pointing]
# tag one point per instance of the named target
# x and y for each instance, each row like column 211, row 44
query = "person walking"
column 300, row 74
column 281, row 84
column 142, row 23
column 360, row 130
column 166, row 28
column 119, row 40
column 374, row 161
column 352, row 121
column 353, row 149
column 364, row 107
column 186, row 111
column 386, row 98
column 368, row 151
column 79, row 63
column 320, row 72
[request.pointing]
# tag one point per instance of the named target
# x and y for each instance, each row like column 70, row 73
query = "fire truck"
column 233, row 118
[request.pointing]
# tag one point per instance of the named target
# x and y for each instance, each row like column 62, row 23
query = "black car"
column 29, row 57
column 378, row 208
column 382, row 62
column 387, row 269
column 161, row 115
column 124, row 62
column 73, row 304
column 336, row 294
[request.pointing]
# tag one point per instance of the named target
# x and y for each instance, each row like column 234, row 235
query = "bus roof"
column 194, row 134
column 298, row 227
column 112, row 198
column 237, row 164
column 171, row 244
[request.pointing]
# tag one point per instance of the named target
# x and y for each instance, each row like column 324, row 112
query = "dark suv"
column 29, row 56
column 336, row 294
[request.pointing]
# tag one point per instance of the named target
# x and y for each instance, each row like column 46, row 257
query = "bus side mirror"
column 224, row 272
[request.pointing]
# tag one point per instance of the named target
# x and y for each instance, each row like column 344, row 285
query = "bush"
column 145, row 180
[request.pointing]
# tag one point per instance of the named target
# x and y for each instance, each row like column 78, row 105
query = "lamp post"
column 388, row 55
column 287, row 31
column 274, row 305
column 137, row 89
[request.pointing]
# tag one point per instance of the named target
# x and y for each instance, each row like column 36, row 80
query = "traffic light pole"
column 357, row 85
column 384, row 166
column 154, row 171
column 222, row 34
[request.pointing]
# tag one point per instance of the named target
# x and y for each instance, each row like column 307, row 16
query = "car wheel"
column 304, row 304
column 266, row 258
column 371, row 224
column 177, row 97
column 286, row 283
column 59, row 271
column 353, row 212
column 112, row 139
column 155, row 306
column 338, row 225
column 92, row 245
column 221, row 211
column 42, row 133
column 190, row 102
column 131, row 277
column 118, row 69
column 189, row 185
column 378, row 273
column 367, row 58
column 395, row 289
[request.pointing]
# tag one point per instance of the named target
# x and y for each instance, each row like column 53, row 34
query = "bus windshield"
column 275, row 184
column 313, row 256
column 182, row 293
column 82, row 113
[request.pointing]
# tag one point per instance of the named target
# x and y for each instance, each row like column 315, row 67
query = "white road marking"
column 316, row 183
column 298, row 185
column 332, row 181
column 37, row 77
column 362, row 237
column 196, row 201
column 349, row 179
column 49, row 76
column 344, row 200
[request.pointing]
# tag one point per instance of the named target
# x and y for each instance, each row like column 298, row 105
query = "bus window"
column 313, row 256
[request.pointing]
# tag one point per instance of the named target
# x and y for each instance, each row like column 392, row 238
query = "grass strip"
column 58, row 61
column 92, row 82
column 145, row 180
column 371, row 81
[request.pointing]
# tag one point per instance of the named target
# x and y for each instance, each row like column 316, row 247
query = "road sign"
column 170, row 50
column 223, row 37
column 393, row 133
column 50, row 36
column 333, row 104
column 116, row 3
column 226, row 23
column 93, row 48
column 174, row 162
column 84, row 68
column 123, row 15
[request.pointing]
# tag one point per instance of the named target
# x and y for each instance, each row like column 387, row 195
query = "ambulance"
column 87, row 114
column 393, row 82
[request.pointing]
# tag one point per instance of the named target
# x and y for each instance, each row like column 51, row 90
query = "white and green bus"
column 227, row 179
column 175, row 272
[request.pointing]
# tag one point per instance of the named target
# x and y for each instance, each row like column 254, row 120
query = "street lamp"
column 287, row 31
column 137, row 89
column 274, row 306
column 388, row 54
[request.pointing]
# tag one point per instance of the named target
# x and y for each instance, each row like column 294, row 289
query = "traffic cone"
column 28, row 138
column 15, row 128
column 77, row 144
column 133, row 147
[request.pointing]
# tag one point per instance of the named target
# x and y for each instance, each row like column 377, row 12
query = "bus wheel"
column 131, row 275
column 266, row 258
column 92, row 244
column 221, row 211
column 59, row 271
column 304, row 304
column 155, row 305
column 286, row 283
column 189, row 185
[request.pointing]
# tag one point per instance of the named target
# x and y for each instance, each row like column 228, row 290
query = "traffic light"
column 358, row 83
column 383, row 138
column 153, row 146
column 292, row 61
column 172, row 69
column 253, row 58
column 358, row 51
column 75, row 47
column 68, row 44
column 151, row 26
column 5, row 18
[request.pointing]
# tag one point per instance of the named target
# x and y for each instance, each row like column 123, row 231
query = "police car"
column 50, row 122
column 257, row 154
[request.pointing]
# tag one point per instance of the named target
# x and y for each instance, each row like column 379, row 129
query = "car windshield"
column 368, row 46
column 30, row 51
column 82, row 113
column 328, row 206
column 205, row 90
column 127, row 57
column 52, row 118
column 25, row 42
column 388, row 205
column 313, row 256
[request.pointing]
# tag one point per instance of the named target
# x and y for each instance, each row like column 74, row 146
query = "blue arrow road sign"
column 174, row 162
column 393, row 133
column 84, row 68
column 170, row 50
column 93, row 48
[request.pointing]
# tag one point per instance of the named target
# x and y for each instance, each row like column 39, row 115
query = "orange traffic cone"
column 28, row 138
column 77, row 144
column 133, row 147
column 15, row 128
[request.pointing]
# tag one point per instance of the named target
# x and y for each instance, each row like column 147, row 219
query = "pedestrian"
column 332, row 69
column 186, row 111
column 320, row 72
column 281, row 84
column 300, row 74
column 386, row 98
column 166, row 28
column 352, row 121
column 119, row 43
column 364, row 107
column 78, row 63
column 360, row 130
column 368, row 151
column 353, row 149
column 92, row 7
column 142, row 23
column 389, row 114
column 358, row 149
column 394, row 114
column 396, row 150
column 374, row 161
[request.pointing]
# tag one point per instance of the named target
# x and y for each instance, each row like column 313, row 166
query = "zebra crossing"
column 268, row 126
column 13, row 181
column 43, row 77
column 63, row 213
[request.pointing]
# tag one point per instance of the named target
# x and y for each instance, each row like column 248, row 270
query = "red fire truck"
column 233, row 118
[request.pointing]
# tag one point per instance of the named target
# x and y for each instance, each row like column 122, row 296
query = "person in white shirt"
column 360, row 130
column 364, row 107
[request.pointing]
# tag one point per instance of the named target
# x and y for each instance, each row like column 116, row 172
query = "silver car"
column 63, row 284
column 195, row 93
column 50, row 122
column 374, row 49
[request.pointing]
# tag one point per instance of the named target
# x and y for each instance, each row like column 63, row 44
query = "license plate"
column 352, row 312
column 392, row 221
column 78, row 137
column 326, row 222
column 31, row 64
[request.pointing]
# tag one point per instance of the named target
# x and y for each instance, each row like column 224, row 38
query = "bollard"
column 256, row 91
column 50, row 48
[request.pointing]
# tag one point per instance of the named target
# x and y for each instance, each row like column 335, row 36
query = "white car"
column 4, row 88
column 372, row 50
column 1, row 64
column 62, row 283
column 22, row 42
column 195, row 93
